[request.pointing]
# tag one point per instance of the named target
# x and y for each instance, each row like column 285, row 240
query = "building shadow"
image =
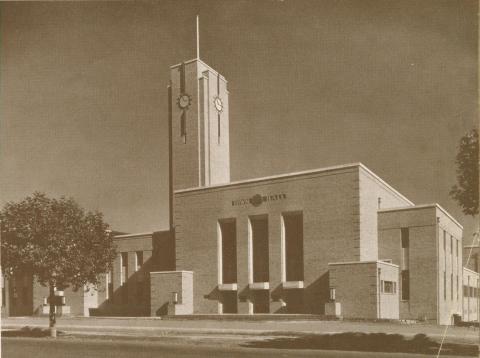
column 367, row 342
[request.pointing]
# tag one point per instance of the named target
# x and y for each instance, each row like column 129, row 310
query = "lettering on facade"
column 258, row 199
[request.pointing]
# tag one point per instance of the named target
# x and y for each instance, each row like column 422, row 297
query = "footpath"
column 158, row 327
column 292, row 334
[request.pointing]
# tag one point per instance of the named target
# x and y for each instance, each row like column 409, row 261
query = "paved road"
column 91, row 348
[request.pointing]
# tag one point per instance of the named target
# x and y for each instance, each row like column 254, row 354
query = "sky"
column 83, row 100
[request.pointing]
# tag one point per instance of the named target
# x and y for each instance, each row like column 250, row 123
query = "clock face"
column 184, row 101
column 218, row 104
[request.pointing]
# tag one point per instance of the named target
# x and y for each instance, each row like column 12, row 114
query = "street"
column 93, row 348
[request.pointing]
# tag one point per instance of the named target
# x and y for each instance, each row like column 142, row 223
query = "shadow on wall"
column 133, row 297
column 367, row 342
column 317, row 294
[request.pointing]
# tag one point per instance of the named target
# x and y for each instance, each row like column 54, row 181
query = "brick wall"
column 330, row 206
column 428, row 260
column 163, row 284
column 371, row 191
column 357, row 289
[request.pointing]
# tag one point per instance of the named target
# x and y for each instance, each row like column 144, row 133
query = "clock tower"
column 199, row 128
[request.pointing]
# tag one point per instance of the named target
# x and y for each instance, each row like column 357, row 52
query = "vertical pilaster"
column 242, row 265
column 275, row 262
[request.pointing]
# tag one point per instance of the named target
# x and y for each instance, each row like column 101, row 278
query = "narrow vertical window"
column 3, row 291
column 229, row 251
column 451, row 246
column 260, row 254
column 124, row 277
column 444, row 285
column 458, row 244
column 458, row 288
column 332, row 294
column 451, row 286
column 444, row 240
column 124, row 267
column 138, row 260
column 293, row 223
column 107, row 286
column 405, row 263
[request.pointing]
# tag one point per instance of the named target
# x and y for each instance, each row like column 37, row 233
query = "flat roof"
column 423, row 206
column 127, row 236
column 166, row 272
column 362, row 262
column 470, row 271
column 297, row 174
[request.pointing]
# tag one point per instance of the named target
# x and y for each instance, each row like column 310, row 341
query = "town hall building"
column 336, row 241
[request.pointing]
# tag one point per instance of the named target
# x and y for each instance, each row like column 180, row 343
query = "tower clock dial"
column 184, row 101
column 218, row 104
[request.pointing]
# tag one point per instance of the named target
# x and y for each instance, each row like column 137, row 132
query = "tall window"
column 124, row 267
column 228, row 243
column 124, row 276
column 260, row 256
column 451, row 246
column 444, row 240
column 458, row 244
column 293, row 228
column 458, row 288
column 405, row 263
column 444, row 285
column 451, row 286
column 138, row 260
column 3, row 291
column 109, row 284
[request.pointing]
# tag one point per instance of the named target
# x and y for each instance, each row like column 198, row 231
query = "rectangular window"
column 405, row 285
column 332, row 294
column 444, row 240
column 293, row 228
column 444, row 285
column 110, row 285
column 124, row 267
column 107, row 286
column 260, row 253
column 405, row 258
column 388, row 287
column 124, row 277
column 458, row 288
column 465, row 291
column 138, row 260
column 458, row 244
column 228, row 232
column 451, row 245
column 451, row 286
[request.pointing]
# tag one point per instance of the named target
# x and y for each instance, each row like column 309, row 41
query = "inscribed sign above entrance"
column 258, row 199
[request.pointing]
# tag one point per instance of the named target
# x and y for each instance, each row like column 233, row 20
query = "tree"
column 57, row 241
column 465, row 192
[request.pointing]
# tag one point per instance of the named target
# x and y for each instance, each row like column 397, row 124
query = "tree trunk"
column 51, row 316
